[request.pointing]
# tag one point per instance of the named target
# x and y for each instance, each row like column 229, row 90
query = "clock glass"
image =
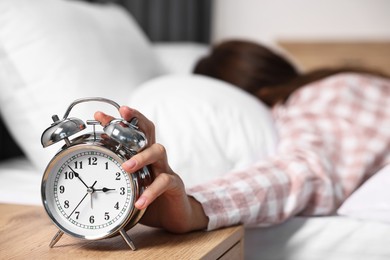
column 87, row 192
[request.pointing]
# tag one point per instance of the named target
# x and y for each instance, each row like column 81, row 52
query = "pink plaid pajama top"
column 333, row 135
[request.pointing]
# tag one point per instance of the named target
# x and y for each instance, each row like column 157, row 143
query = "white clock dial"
column 88, row 193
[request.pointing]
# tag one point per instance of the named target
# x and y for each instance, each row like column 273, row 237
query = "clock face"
column 87, row 193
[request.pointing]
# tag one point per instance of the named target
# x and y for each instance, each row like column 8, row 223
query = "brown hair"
column 260, row 71
column 247, row 65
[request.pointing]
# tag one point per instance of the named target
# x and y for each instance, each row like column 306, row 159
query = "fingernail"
column 130, row 164
column 140, row 203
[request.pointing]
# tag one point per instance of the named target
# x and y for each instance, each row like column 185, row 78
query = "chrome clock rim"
column 131, row 213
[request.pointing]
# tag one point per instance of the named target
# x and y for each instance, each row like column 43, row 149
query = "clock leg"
column 56, row 237
column 127, row 239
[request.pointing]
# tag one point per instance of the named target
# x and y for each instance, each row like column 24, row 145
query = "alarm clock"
column 85, row 191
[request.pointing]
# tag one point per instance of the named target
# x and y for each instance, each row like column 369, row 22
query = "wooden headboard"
column 313, row 55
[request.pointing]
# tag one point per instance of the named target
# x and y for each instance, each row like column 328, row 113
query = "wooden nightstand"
column 25, row 232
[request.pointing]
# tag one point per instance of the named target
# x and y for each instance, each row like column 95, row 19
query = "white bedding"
column 317, row 238
column 19, row 182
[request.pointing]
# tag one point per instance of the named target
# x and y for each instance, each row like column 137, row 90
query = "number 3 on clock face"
column 88, row 193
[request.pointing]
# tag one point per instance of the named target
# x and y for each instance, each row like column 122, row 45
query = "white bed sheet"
column 19, row 182
column 301, row 238
column 317, row 238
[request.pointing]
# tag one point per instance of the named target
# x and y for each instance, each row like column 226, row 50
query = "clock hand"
column 91, row 190
column 77, row 176
column 104, row 189
column 78, row 204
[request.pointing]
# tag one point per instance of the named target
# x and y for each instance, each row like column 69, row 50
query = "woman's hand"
column 169, row 206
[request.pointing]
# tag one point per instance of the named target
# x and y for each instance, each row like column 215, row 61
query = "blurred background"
column 274, row 20
column 264, row 20
column 312, row 33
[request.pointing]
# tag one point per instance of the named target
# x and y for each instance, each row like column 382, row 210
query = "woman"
column 333, row 130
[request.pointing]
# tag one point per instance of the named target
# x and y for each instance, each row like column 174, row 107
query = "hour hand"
column 104, row 189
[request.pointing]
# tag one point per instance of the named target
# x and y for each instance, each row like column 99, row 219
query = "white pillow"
column 371, row 200
column 208, row 126
column 180, row 57
column 53, row 52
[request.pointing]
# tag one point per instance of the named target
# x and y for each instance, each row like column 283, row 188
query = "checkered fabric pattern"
column 333, row 135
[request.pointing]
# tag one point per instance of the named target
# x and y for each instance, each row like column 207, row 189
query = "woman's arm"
column 332, row 137
column 168, row 205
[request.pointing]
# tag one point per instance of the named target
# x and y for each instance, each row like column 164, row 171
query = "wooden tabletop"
column 26, row 231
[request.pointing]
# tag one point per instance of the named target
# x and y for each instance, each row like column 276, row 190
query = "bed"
column 104, row 47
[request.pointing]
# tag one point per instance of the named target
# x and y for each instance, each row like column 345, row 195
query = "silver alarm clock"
column 85, row 191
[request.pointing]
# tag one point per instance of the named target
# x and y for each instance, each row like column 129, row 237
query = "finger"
column 155, row 154
column 144, row 123
column 161, row 184
column 103, row 118
column 128, row 113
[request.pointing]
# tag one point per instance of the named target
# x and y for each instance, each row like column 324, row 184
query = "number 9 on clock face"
column 87, row 193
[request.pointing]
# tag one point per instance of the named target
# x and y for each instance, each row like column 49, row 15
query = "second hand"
column 91, row 190
column 78, row 204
